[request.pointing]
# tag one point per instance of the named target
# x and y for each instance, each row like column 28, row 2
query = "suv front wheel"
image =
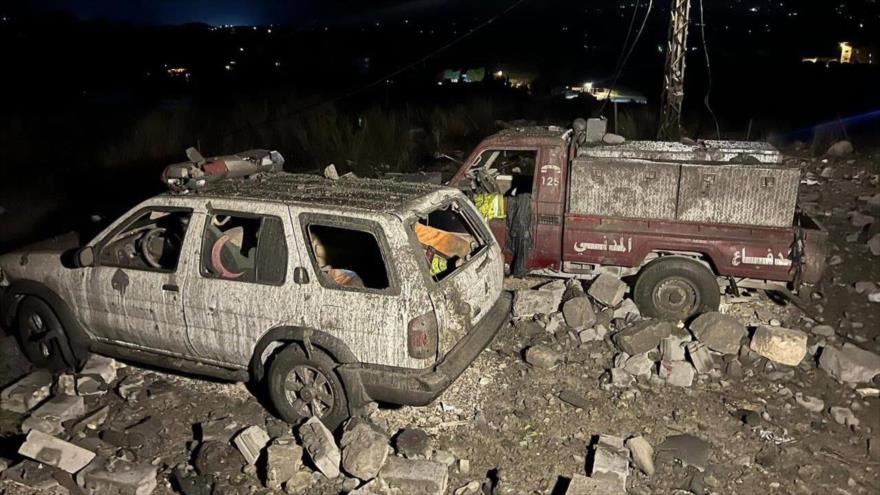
column 40, row 334
column 301, row 386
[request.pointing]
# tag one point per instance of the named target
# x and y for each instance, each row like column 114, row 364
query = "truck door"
column 549, row 208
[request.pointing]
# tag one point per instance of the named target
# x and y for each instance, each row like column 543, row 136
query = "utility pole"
column 673, row 81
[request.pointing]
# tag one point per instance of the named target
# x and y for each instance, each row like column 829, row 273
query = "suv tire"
column 40, row 334
column 676, row 288
column 301, row 386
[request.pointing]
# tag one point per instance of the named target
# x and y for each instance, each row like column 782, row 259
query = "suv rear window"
column 447, row 240
column 348, row 257
column 246, row 248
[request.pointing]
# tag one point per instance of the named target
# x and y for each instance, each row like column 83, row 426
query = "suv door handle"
column 171, row 288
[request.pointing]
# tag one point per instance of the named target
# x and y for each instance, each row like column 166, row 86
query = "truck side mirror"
column 300, row 275
column 85, row 257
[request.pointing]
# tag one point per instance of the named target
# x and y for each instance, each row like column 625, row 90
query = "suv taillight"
column 421, row 336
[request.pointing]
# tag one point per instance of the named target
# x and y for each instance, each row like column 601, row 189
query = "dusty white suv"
column 331, row 292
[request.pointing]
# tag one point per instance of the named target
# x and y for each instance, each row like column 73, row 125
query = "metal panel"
column 624, row 188
column 703, row 151
column 738, row 194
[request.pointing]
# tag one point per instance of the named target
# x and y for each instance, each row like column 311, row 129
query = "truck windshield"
column 447, row 240
column 512, row 171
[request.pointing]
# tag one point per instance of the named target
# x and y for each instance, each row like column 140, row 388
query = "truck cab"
column 684, row 221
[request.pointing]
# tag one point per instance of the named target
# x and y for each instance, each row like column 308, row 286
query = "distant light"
column 277, row 64
column 499, row 74
column 241, row 48
column 227, row 67
column 439, row 83
column 269, row 30
column 255, row 28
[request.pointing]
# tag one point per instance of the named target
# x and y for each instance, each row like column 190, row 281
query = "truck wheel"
column 676, row 288
column 40, row 334
column 302, row 386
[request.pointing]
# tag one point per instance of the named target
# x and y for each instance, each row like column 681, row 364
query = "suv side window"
column 347, row 257
column 247, row 248
column 150, row 240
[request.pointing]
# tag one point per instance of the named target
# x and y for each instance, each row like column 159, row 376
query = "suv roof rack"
column 199, row 173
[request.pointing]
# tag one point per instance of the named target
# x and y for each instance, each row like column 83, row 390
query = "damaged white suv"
column 331, row 293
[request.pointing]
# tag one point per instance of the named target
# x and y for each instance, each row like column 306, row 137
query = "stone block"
column 781, row 345
column 607, row 290
column 283, row 460
column 250, row 442
column 319, row 443
column 719, row 332
column 55, row 452
column 27, row 393
column 415, row 476
column 642, row 337
column 700, row 357
column 364, row 449
column 119, row 478
column 578, row 313
column 850, row 363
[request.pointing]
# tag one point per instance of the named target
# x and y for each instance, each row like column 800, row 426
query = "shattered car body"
column 320, row 288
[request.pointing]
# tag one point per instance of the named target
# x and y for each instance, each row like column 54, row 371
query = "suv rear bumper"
column 421, row 387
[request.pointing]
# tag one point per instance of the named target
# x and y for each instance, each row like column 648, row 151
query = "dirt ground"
column 505, row 417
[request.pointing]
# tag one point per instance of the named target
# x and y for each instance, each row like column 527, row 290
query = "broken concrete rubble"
column 319, row 443
column 719, row 332
column 49, row 416
column 808, row 402
column 541, row 356
column 677, row 373
column 283, row 460
column 578, row 313
column 700, row 357
column 610, row 460
column 27, row 393
column 89, row 386
column 690, row 450
column 850, row 363
column 672, row 347
column 642, row 454
column 118, row 478
column 843, row 416
column 101, row 367
column 55, row 452
column 250, row 442
column 415, row 476
column 607, row 290
column 642, row 336
column 626, row 309
column 528, row 303
column 582, row 485
column 781, row 345
column 639, row 365
column 364, row 449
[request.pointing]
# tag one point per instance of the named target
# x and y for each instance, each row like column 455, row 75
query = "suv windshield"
column 447, row 240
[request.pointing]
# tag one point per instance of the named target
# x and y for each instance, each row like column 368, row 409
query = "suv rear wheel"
column 302, row 386
column 40, row 334
column 676, row 288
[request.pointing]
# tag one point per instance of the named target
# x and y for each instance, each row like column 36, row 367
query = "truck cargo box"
column 728, row 182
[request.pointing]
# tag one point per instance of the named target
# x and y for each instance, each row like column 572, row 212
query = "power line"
column 382, row 79
column 708, row 72
column 629, row 53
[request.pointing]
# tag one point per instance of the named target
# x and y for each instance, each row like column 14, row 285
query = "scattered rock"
column 130, row 387
column 608, row 290
column 65, row 384
column 49, row 416
column 823, row 330
column 330, row 172
column 621, row 379
column 874, row 244
column 610, row 461
column 627, row 308
column 415, row 476
column 840, row 149
column 100, row 367
column 700, row 357
column 781, row 345
column 844, row 416
column 677, row 373
column 850, row 364
column 364, row 449
column 859, row 219
column 599, row 332
column 574, row 398
column 642, row 336
column 118, row 478
column 283, row 460
column 472, row 488
column 215, row 457
column 808, row 402
column 672, row 347
column 89, row 386
column 642, row 454
column 92, row 421
column 581, row 485
column 865, row 286
column 27, row 393
column 613, row 139
column 541, row 356
column 578, row 313
column 639, row 365
column 690, row 450
column 221, row 430
column 719, row 332
column 251, row 442
column 321, row 447
column 528, row 303
column 55, row 452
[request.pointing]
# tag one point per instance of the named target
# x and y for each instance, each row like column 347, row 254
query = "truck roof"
column 701, row 152
column 373, row 195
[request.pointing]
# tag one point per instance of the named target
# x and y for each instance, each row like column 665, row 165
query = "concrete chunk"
column 781, row 345
column 364, row 449
column 690, row 450
column 27, row 393
column 581, row 485
column 541, row 356
column 642, row 454
column 700, row 357
column 607, row 290
column 55, row 452
column 528, row 303
column 251, row 442
column 850, row 364
column 610, row 460
column 719, row 332
column 415, row 476
column 118, row 478
column 283, row 460
column 578, row 313
column 677, row 373
column 639, row 365
column 321, row 447
column 100, row 367
column 642, row 337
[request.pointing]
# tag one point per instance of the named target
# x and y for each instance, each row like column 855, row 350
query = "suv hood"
column 39, row 259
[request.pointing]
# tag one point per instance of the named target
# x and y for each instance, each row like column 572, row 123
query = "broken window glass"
column 348, row 257
column 447, row 239
column 513, row 171
column 244, row 248
column 151, row 240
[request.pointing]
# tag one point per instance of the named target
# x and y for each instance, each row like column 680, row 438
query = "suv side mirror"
column 85, row 257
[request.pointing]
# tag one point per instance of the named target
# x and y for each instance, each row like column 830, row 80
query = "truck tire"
column 301, row 386
column 40, row 334
column 675, row 288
